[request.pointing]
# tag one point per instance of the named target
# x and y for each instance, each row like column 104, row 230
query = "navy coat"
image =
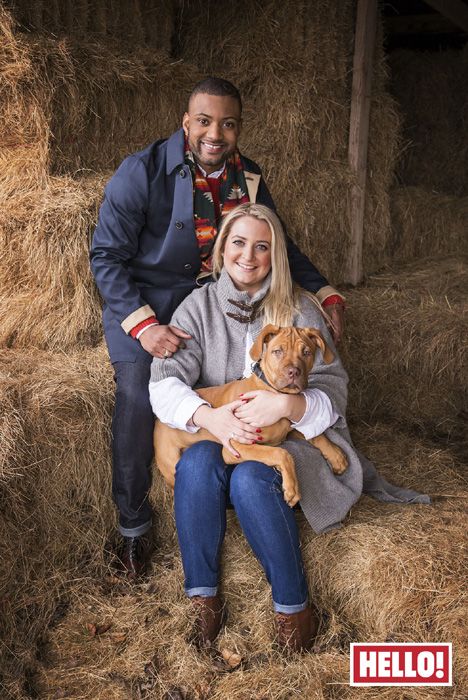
column 144, row 255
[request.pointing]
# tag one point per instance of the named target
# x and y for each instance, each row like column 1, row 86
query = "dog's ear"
column 316, row 337
column 257, row 348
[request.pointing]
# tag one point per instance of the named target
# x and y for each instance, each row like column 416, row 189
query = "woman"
column 253, row 287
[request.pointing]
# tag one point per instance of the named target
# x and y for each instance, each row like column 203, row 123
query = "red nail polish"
column 259, row 430
column 254, row 442
column 259, row 437
column 241, row 394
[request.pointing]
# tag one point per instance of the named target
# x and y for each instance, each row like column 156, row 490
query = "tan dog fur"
column 286, row 358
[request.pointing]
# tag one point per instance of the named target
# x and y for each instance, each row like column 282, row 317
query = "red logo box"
column 400, row 664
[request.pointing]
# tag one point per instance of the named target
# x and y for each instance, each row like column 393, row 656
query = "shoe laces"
column 133, row 545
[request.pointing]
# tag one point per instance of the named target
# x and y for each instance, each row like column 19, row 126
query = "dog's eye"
column 277, row 351
column 306, row 351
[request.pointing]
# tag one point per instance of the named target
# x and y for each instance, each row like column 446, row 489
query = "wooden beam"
column 364, row 43
column 455, row 10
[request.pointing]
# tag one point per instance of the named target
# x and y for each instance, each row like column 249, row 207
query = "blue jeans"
column 204, row 486
column 132, row 446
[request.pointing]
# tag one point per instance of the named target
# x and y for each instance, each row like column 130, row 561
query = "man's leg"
column 132, row 453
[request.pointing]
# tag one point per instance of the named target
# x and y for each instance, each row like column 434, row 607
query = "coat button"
column 182, row 173
column 187, row 266
column 179, row 224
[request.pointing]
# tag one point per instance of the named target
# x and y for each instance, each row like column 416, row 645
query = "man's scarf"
column 232, row 192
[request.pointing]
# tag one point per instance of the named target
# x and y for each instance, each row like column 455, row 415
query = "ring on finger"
column 166, row 353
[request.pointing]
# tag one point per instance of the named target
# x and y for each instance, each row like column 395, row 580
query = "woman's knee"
column 250, row 479
column 199, row 465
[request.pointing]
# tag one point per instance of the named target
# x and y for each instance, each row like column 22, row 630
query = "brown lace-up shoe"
column 132, row 556
column 210, row 617
column 297, row 631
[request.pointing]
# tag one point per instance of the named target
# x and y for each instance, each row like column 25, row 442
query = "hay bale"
column 427, row 224
column 85, row 104
column 104, row 101
column 139, row 22
column 68, row 402
column 397, row 572
column 413, row 365
column 24, row 128
column 430, row 87
column 56, row 514
column 11, row 429
column 47, row 296
column 293, row 64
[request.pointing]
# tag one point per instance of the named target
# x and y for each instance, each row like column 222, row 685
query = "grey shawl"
column 216, row 355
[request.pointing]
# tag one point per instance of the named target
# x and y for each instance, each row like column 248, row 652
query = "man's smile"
column 212, row 147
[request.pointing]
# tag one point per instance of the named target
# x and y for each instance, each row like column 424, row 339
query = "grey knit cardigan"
column 216, row 355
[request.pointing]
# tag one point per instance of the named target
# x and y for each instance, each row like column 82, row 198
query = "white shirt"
column 174, row 403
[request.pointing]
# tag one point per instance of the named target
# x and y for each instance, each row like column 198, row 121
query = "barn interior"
column 82, row 85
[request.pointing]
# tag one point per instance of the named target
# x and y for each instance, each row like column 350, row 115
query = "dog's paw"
column 337, row 460
column 291, row 494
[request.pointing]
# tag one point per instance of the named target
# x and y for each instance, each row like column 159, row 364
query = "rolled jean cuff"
column 135, row 531
column 290, row 609
column 203, row 591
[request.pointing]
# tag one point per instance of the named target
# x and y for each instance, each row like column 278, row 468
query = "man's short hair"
column 218, row 87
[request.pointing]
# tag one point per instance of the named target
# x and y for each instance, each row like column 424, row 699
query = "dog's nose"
column 293, row 372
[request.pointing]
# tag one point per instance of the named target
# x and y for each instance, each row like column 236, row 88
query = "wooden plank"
column 455, row 10
column 359, row 130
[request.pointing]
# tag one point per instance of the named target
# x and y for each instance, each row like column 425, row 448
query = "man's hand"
column 336, row 314
column 266, row 408
column 163, row 341
column 223, row 424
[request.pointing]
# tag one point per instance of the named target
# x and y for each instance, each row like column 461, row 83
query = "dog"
column 285, row 357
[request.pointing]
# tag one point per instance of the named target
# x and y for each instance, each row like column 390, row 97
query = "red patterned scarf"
column 232, row 192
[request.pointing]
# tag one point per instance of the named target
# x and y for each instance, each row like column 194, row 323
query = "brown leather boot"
column 210, row 617
column 132, row 556
column 297, row 631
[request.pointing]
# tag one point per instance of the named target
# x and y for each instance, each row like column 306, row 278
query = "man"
column 151, row 248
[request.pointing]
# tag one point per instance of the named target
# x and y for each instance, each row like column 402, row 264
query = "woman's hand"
column 264, row 408
column 224, row 425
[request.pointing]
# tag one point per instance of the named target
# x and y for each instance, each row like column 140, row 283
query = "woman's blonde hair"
column 281, row 302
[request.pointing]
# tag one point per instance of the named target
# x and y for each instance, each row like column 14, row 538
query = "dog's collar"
column 257, row 370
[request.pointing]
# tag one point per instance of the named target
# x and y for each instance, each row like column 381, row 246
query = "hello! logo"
column 400, row 664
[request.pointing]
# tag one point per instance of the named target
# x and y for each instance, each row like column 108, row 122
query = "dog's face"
column 287, row 356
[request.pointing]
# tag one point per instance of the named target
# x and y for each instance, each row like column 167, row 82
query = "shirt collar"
column 212, row 176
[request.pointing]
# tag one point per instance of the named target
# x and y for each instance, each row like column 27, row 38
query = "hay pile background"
column 393, row 572
column 48, row 299
column 431, row 88
column 406, row 348
column 55, row 505
column 145, row 22
column 86, row 84
column 428, row 224
column 430, row 209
